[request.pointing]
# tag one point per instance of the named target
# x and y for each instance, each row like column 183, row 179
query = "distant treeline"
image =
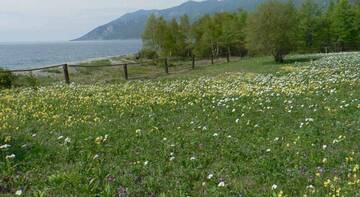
column 274, row 28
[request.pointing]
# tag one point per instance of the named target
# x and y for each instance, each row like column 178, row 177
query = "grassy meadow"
column 247, row 128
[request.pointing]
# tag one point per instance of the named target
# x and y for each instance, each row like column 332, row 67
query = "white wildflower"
column 96, row 156
column 274, row 187
column 12, row 156
column 5, row 146
column 18, row 192
column 67, row 140
column 221, row 184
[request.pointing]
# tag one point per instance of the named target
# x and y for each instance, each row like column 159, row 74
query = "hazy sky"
column 53, row 20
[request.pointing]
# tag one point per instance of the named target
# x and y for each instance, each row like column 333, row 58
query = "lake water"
column 37, row 54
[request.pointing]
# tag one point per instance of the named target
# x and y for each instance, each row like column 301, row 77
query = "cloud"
column 64, row 19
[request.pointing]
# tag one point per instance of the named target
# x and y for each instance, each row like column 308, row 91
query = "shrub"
column 6, row 79
column 148, row 54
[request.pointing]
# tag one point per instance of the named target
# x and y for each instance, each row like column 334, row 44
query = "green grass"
column 178, row 70
column 223, row 130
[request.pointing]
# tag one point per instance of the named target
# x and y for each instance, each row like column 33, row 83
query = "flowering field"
column 291, row 133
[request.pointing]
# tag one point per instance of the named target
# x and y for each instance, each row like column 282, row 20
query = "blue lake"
column 17, row 55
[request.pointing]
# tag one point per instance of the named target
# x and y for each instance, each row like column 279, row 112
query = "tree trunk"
column 279, row 58
column 228, row 54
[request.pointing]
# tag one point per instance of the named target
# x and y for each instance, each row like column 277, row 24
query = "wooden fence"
column 65, row 67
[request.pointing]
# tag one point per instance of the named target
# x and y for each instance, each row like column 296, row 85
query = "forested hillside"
column 274, row 28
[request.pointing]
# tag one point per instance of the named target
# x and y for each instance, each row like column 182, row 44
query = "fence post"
column 126, row 72
column 166, row 66
column 212, row 59
column 193, row 62
column 66, row 74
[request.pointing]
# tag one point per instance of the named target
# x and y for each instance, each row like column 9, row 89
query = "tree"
column 326, row 32
column 309, row 23
column 204, row 37
column 271, row 29
column 149, row 36
column 344, row 23
column 357, row 22
column 186, row 34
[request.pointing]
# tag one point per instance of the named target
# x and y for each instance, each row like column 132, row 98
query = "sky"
column 59, row 20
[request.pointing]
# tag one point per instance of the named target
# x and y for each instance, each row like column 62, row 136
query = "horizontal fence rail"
column 125, row 65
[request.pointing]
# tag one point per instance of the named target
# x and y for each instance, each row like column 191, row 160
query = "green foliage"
column 148, row 54
column 6, row 79
column 309, row 16
column 32, row 81
column 272, row 29
column 343, row 23
column 275, row 28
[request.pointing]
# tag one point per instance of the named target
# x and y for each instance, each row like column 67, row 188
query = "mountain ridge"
column 131, row 25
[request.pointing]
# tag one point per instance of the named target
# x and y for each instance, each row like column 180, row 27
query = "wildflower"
column 7, row 139
column 221, row 184
column 324, row 160
column 96, row 156
column 237, row 120
column 138, row 131
column 229, row 136
column 12, row 156
column 34, row 135
column 146, row 163
column 106, row 138
column 274, row 187
column 310, row 187
column 192, row 158
column 60, row 137
column 327, row 183
column 356, row 168
column 268, row 150
column 164, row 138
column 210, row 176
column 324, row 147
column 301, row 125
column 216, row 134
column 172, row 158
column 99, row 139
column 348, row 159
column 233, row 110
column 18, row 192
column 67, row 140
column 309, row 120
column 276, row 139
column 5, row 146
